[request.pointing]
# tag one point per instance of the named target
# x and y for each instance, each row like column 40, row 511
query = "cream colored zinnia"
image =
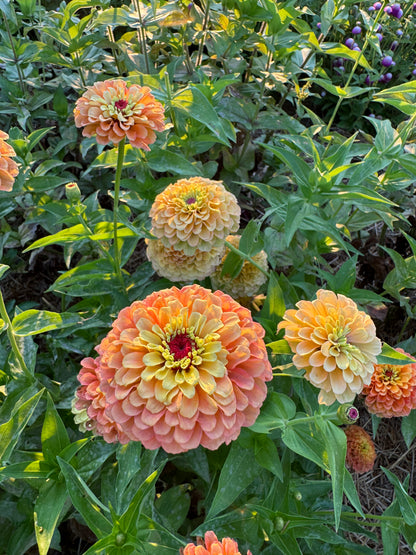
column 177, row 266
column 248, row 281
column 194, row 214
column 335, row 343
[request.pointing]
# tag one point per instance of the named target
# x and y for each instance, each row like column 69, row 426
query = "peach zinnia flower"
column 194, row 213
column 8, row 167
column 361, row 452
column 177, row 266
column 392, row 391
column 182, row 368
column 335, row 343
column 248, row 281
column 110, row 110
column 213, row 546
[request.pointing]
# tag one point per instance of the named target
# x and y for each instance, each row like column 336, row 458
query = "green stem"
column 357, row 516
column 16, row 59
column 12, row 339
column 246, row 257
column 117, row 257
column 141, row 34
column 204, row 32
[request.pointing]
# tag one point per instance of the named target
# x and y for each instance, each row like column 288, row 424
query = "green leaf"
column 85, row 502
column 177, row 497
column 128, row 520
column 32, row 322
column 342, row 51
column 26, row 470
column 162, row 160
column 3, row 269
column 336, row 449
column 274, row 306
column 267, row 455
column 298, row 166
column 351, row 493
column 36, row 136
column 407, row 503
column 54, row 435
column 196, row 105
column 47, row 510
column 389, row 355
column 341, row 92
column 239, row 470
column 129, row 463
column 251, row 241
column 275, row 412
column 409, row 428
column 280, row 347
column 113, row 17
column 10, row 431
column 390, row 529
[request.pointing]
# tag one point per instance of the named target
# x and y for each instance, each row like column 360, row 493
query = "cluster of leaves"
column 240, row 82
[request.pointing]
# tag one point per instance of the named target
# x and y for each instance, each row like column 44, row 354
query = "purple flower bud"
column 357, row 48
column 388, row 77
column 377, row 5
column 372, row 116
column 379, row 36
column 379, row 28
column 387, row 61
column 393, row 63
column 341, row 69
column 388, row 10
column 323, row 93
column 368, row 80
column 398, row 14
column 414, row 72
column 319, row 24
column 349, row 42
column 414, row 6
column 399, row 32
column 356, row 30
column 394, row 45
column 371, row 9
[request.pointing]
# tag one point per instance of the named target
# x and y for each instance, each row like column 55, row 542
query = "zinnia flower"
column 8, row 167
column 335, row 343
column 110, row 110
column 194, row 213
column 248, row 281
column 182, row 368
column 213, row 546
column 392, row 391
column 361, row 452
column 177, row 266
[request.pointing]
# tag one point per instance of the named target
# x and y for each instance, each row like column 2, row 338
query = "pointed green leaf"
column 389, row 355
column 407, row 503
column 32, row 322
column 54, row 435
column 47, row 511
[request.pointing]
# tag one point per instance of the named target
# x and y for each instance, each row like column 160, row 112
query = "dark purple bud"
column 394, row 45
column 414, row 6
column 368, row 80
column 414, row 72
column 371, row 9
column 323, row 93
column 377, row 5
column 347, row 413
column 387, row 61
column 372, row 116
column 341, row 69
column 379, row 117
column 398, row 14
column 379, row 28
column 319, row 24
column 388, row 77
column 379, row 36
column 357, row 48
column 393, row 63
column 356, row 30
column 399, row 32
column 388, row 10
column 349, row 42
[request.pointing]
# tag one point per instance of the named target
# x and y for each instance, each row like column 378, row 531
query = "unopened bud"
column 73, row 194
column 120, row 539
column 348, row 414
column 279, row 523
column 298, row 496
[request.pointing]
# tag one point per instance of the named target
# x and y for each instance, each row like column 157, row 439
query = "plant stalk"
column 119, row 167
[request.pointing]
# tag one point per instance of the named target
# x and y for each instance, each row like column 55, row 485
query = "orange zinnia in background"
column 213, row 546
column 8, row 167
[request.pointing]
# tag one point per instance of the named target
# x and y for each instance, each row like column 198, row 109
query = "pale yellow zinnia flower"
column 194, row 214
column 335, row 343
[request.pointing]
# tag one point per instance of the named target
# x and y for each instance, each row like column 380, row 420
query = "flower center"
column 120, row 104
column 181, row 346
column 190, row 200
column 390, row 374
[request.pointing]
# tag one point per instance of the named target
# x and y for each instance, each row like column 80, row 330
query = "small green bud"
column 348, row 414
column 298, row 496
column 120, row 539
column 279, row 523
column 73, row 194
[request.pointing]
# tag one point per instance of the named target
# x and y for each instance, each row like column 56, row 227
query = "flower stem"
column 246, row 257
column 12, row 339
column 119, row 167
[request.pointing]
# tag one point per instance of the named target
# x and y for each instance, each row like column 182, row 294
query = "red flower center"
column 180, row 346
column 190, row 200
column 120, row 104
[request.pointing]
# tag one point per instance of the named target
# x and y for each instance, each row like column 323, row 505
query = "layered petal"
column 361, row 452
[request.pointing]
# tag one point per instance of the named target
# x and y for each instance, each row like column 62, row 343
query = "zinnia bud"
column 361, row 452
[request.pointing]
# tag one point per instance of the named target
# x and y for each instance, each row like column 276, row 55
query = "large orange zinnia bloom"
column 182, row 368
column 194, row 213
column 213, row 546
column 335, row 343
column 8, row 167
column 110, row 110
column 392, row 391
